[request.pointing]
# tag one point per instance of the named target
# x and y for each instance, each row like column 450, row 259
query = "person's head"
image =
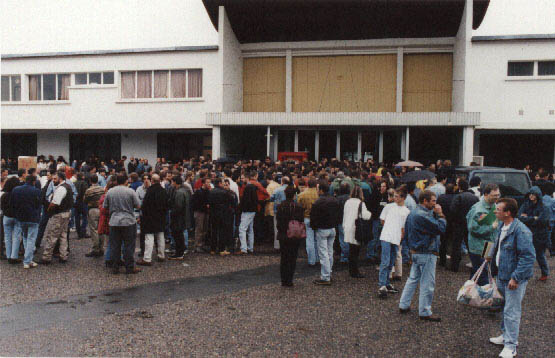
column 382, row 186
column 450, row 189
column 323, row 187
column 357, row 192
column 227, row 172
column 506, row 209
column 94, row 179
column 155, row 179
column 218, row 183
column 312, row 183
column 253, row 175
column 533, row 197
column 390, row 195
column 30, row 179
column 121, row 179
column 290, row 192
column 442, row 178
column 285, row 180
column 22, row 173
column 206, row 183
column 10, row 184
column 475, row 181
column 177, row 181
column 544, row 174
column 400, row 195
column 427, row 199
column 344, row 189
column 463, row 185
column 5, row 173
column 491, row 193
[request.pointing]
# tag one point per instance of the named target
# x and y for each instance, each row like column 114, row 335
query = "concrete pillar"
column 399, row 90
column 338, row 145
column 268, row 137
column 467, row 146
column 288, row 81
column 276, row 139
column 405, row 139
column 216, row 142
column 317, row 146
column 359, row 146
column 296, row 141
column 380, row 146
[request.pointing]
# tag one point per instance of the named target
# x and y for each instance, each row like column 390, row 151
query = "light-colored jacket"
column 350, row 214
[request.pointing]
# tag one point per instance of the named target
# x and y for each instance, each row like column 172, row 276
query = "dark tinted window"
column 94, row 77
column 49, row 87
column 546, row 68
column 5, row 88
column 108, row 78
column 80, row 78
column 521, row 69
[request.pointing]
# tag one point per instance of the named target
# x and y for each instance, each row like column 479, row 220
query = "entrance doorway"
column 105, row 146
column 18, row 144
column 178, row 146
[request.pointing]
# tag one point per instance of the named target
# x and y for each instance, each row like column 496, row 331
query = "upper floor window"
column 546, row 68
column 100, row 78
column 523, row 68
column 49, row 87
column 162, row 84
column 11, row 88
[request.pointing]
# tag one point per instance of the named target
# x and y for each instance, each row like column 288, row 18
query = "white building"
column 388, row 80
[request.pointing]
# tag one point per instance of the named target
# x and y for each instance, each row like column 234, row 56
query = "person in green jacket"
column 482, row 227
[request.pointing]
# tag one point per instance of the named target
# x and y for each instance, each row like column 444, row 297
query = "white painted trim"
column 407, row 143
column 343, row 52
column 33, row 103
column 77, row 87
column 529, row 78
column 268, row 137
column 359, row 146
column 158, row 100
column 399, row 89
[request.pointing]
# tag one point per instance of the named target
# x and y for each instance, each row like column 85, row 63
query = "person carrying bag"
column 355, row 224
column 484, row 297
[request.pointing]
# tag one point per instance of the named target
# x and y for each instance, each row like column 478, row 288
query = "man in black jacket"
column 324, row 217
column 199, row 204
column 219, row 201
column 459, row 208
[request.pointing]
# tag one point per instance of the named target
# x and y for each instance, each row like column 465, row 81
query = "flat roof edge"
column 113, row 52
column 513, row 37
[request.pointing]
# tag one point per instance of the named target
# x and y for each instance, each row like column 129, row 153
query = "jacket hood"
column 536, row 191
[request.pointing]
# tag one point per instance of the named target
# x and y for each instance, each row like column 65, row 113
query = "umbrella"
column 417, row 175
column 409, row 163
column 225, row 160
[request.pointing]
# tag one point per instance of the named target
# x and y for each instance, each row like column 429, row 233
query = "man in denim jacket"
column 423, row 227
column 513, row 255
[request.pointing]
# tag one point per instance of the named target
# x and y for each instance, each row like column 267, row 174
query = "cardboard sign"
column 26, row 162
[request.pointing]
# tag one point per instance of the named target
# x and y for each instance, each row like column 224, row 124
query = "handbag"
column 295, row 228
column 360, row 227
column 485, row 297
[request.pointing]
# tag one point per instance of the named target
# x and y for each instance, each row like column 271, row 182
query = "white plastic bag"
column 486, row 296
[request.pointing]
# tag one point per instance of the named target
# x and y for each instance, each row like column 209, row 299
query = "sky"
column 30, row 26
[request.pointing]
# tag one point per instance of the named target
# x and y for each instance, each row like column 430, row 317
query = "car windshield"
column 509, row 183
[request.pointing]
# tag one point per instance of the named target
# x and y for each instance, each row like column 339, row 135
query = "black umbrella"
column 416, row 175
column 225, row 160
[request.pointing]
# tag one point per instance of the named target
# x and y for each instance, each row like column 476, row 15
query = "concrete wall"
column 142, row 144
column 498, row 97
column 53, row 143
column 231, row 64
column 101, row 107
column 461, row 51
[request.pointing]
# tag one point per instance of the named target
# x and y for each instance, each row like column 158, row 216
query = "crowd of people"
column 333, row 208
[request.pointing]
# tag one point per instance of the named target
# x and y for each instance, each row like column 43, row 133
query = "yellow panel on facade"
column 264, row 84
column 427, row 82
column 365, row 83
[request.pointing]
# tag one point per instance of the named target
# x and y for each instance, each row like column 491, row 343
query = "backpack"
column 295, row 228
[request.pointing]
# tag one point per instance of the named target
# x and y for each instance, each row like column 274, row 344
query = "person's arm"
column 526, row 255
column 136, row 201
column 264, row 192
column 522, row 216
column 431, row 225
column 477, row 230
column 365, row 213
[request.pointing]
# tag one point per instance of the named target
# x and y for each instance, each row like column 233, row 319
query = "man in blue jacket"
column 513, row 256
column 423, row 227
column 537, row 216
column 25, row 200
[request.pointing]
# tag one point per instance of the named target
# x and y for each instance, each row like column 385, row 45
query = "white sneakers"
column 497, row 340
column 30, row 265
column 507, row 353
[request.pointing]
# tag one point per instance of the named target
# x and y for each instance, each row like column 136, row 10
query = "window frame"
column 535, row 75
column 11, row 87
column 89, row 84
column 55, row 100
column 169, row 97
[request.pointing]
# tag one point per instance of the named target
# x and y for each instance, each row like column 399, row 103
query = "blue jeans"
column 372, row 248
column 405, row 252
column 423, row 271
column 28, row 231
column 311, row 248
column 324, row 241
column 389, row 254
column 186, row 236
column 477, row 261
column 81, row 213
column 540, row 247
column 247, row 222
column 42, row 226
column 344, row 246
column 512, row 311
column 11, row 240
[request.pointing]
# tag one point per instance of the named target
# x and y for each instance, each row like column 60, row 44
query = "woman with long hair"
column 350, row 215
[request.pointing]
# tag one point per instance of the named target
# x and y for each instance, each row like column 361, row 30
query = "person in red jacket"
column 252, row 196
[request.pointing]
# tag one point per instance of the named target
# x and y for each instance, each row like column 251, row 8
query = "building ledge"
column 158, row 100
column 343, row 119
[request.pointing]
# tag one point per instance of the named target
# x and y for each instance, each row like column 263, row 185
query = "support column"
column 216, row 138
column 405, row 140
column 296, row 141
column 338, row 145
column 380, row 147
column 276, row 139
column 467, row 145
column 399, row 90
column 359, row 146
column 268, row 137
column 288, row 81
column 317, row 146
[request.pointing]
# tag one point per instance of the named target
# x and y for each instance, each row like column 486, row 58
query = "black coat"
column 461, row 206
column 154, row 209
column 324, row 213
column 221, row 203
column 287, row 211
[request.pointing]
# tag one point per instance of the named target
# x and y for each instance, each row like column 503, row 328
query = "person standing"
column 277, row 197
column 25, row 200
column 252, row 194
column 270, row 209
column 91, row 198
column 219, row 201
column 536, row 216
column 439, row 187
column 344, row 194
column 461, row 205
column 378, row 201
column 423, row 227
column 445, row 200
column 482, row 225
column 199, row 203
column 289, row 246
column 349, row 217
column 180, row 216
column 154, row 209
column 59, row 208
column 393, row 218
column 513, row 256
column 306, row 199
column 141, row 192
column 9, row 222
column 121, row 202
column 324, row 218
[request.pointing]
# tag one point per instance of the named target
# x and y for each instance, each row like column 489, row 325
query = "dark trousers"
column 42, row 226
column 289, row 250
column 126, row 235
column 354, row 252
column 541, row 246
column 142, row 237
column 81, row 217
column 258, row 227
column 460, row 235
column 446, row 239
column 179, row 238
column 2, row 243
column 477, row 261
column 219, row 234
column 268, row 228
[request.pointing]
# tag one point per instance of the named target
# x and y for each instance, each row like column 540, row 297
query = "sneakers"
column 175, row 257
column 30, row 265
column 224, row 253
column 322, row 282
column 241, row 253
column 382, row 292
column 391, row 289
column 543, row 278
column 497, row 340
column 432, row 318
column 404, row 310
column 14, row 261
column 142, row 262
column 357, row 275
column 507, row 353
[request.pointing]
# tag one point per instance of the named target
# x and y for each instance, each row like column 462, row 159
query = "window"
column 92, row 78
column 11, row 88
column 108, row 78
column 49, row 87
column 95, row 77
column 521, row 68
column 162, row 84
column 80, row 78
column 546, row 68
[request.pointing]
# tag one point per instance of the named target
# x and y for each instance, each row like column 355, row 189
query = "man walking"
column 91, row 198
column 324, row 218
column 25, row 200
column 513, row 255
column 121, row 202
column 306, row 199
column 423, row 227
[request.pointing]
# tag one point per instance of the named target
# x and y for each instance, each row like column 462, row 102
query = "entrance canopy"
column 317, row 20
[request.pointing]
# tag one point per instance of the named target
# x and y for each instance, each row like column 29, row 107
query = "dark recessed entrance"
column 105, row 146
column 18, row 144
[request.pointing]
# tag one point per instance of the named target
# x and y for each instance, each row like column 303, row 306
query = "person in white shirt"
column 393, row 218
column 350, row 214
